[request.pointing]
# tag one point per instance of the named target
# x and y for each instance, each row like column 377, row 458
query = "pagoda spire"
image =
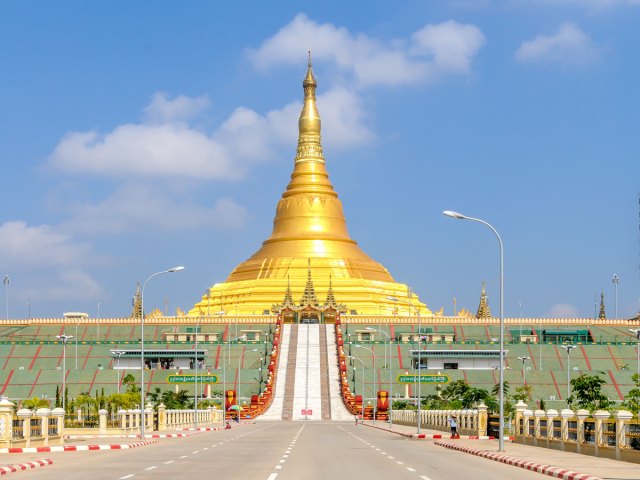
column 136, row 311
column 483, row 309
column 602, row 314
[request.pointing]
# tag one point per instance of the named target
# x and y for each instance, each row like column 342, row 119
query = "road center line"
column 272, row 476
column 168, row 462
column 150, row 468
column 128, row 476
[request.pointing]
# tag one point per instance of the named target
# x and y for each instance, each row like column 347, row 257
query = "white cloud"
column 49, row 261
column 137, row 206
column 563, row 310
column 435, row 50
column 22, row 246
column 569, row 46
column 162, row 110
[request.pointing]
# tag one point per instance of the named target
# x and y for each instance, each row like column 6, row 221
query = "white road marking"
column 411, row 469
column 196, row 451
column 278, row 467
column 424, row 477
column 272, row 476
column 399, row 462
column 168, row 462
column 150, row 468
column 390, row 457
column 183, row 456
column 128, row 476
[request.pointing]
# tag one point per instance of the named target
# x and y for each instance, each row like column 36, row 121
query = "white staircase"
column 306, row 400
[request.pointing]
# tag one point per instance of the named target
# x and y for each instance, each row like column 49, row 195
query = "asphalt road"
column 276, row 451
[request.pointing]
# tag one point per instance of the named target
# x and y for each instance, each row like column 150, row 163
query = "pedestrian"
column 453, row 423
column 356, row 419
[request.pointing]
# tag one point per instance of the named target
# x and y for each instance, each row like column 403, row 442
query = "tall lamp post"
column 460, row 216
column 64, row 339
column 142, row 419
column 118, row 354
column 240, row 365
column 362, row 363
column 6, row 281
column 524, row 370
column 636, row 333
column 568, row 348
column 389, row 367
column 615, row 280
column 408, row 302
column 373, row 378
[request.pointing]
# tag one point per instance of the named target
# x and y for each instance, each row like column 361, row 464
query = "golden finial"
column 309, row 82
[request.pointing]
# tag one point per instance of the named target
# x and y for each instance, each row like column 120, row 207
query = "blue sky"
column 136, row 136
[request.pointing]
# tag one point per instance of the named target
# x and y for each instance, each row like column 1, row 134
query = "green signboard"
column 424, row 378
column 192, row 379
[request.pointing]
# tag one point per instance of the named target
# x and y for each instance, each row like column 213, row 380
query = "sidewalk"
column 545, row 460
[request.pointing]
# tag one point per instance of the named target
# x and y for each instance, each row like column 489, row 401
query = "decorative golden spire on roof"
column 483, row 309
column 330, row 302
column 309, row 295
column 136, row 311
column 602, row 315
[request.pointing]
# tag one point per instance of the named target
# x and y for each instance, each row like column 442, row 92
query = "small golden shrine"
column 309, row 310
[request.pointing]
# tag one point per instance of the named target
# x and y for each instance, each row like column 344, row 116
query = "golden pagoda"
column 309, row 235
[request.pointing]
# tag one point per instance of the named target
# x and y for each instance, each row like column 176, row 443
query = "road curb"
column 77, row 448
column 154, row 435
column 428, row 436
column 557, row 472
column 25, row 466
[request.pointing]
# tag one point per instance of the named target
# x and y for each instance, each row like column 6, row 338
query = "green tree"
column 523, row 393
column 58, row 403
column 474, row 396
column 35, row 403
column 495, row 391
column 586, row 392
column 455, row 391
column 129, row 382
column 632, row 399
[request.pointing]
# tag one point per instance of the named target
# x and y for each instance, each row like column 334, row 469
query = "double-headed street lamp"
column 390, row 399
column 460, row 216
column 636, row 333
column 524, row 370
column 118, row 354
column 351, row 357
column 568, row 348
column 419, row 387
column 142, row 413
column 616, row 280
column 64, row 339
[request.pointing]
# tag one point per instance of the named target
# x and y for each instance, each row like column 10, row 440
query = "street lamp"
column 636, row 332
column 524, row 370
column 389, row 367
column 351, row 357
column 239, row 379
column 142, row 419
column 616, row 280
column 118, row 354
column 460, row 216
column 6, row 281
column 373, row 378
column 64, row 339
column 408, row 302
column 568, row 348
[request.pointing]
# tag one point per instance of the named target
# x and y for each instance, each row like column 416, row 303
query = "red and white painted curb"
column 428, row 436
column 25, row 466
column 557, row 472
column 154, row 435
column 76, row 448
